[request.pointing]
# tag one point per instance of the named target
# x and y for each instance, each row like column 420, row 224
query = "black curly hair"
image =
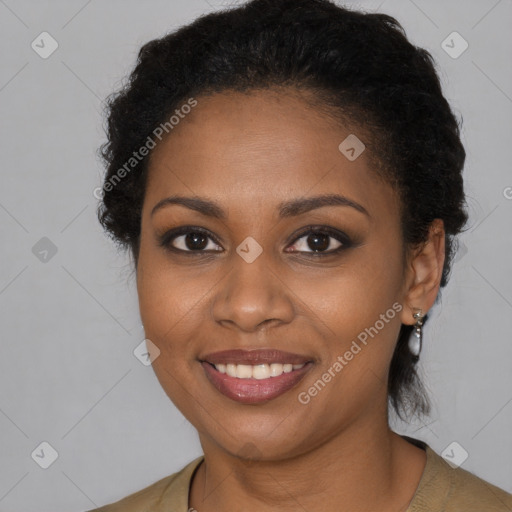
column 360, row 68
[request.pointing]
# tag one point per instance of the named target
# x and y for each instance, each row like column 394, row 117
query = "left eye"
column 320, row 242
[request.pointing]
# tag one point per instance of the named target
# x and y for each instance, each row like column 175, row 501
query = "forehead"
column 260, row 148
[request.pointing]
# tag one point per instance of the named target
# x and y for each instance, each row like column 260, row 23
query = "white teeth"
column 243, row 371
column 276, row 369
column 259, row 371
column 231, row 370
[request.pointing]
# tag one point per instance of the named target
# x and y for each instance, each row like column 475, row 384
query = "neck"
column 366, row 467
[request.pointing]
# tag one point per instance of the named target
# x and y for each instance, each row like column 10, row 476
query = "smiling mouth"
column 254, row 384
column 258, row 371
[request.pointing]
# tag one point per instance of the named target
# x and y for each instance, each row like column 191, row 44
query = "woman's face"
column 204, row 293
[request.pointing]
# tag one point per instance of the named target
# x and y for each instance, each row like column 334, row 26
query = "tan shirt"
column 441, row 489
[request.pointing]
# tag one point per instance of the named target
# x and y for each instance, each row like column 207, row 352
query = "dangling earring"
column 416, row 341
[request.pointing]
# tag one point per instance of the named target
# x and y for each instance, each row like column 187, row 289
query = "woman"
column 287, row 178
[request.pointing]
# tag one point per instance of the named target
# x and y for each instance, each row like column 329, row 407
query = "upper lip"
column 253, row 357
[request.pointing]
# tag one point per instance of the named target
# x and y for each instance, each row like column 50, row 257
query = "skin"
column 248, row 153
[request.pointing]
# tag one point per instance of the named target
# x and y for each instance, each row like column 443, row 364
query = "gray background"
column 69, row 324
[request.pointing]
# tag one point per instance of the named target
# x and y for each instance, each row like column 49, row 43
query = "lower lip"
column 253, row 391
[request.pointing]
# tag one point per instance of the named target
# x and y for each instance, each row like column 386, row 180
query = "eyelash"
column 167, row 238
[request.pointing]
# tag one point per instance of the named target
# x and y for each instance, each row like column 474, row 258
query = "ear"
column 424, row 273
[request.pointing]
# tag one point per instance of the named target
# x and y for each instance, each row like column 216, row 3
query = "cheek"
column 360, row 307
column 164, row 296
column 170, row 311
column 174, row 307
column 170, row 305
column 354, row 296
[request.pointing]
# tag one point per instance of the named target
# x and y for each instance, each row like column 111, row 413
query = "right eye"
column 188, row 239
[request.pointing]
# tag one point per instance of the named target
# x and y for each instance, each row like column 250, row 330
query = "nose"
column 253, row 296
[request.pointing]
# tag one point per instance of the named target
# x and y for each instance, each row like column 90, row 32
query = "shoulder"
column 447, row 489
column 469, row 492
column 169, row 491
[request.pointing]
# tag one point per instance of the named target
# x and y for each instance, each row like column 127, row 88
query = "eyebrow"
column 286, row 209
